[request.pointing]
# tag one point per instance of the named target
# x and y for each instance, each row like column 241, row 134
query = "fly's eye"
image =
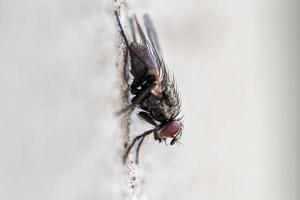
column 170, row 130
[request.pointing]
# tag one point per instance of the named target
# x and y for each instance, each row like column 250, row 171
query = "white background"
column 237, row 69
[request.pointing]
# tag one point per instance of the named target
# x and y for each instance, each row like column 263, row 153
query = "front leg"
column 134, row 141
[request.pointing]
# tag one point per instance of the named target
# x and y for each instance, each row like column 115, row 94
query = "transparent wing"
column 152, row 34
column 146, row 40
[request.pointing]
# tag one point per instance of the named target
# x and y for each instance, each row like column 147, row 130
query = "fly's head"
column 172, row 129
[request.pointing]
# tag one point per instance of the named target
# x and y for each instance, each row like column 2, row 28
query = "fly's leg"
column 141, row 81
column 156, row 137
column 134, row 141
column 121, row 30
column 129, row 108
column 138, row 99
column 125, row 68
column 138, row 150
column 142, row 95
column 146, row 116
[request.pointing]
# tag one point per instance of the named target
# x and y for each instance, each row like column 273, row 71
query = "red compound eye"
column 170, row 129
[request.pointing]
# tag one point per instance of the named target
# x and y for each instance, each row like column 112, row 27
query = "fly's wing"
column 152, row 34
column 153, row 51
column 168, row 82
column 152, row 58
column 142, row 62
column 150, row 46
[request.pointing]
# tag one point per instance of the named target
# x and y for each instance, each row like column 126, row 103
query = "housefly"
column 154, row 90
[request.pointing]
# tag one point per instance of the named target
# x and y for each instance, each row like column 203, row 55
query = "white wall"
column 237, row 69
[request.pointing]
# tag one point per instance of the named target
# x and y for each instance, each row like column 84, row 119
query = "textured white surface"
column 236, row 67
column 59, row 138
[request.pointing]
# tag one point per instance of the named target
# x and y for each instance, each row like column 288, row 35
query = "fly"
column 154, row 90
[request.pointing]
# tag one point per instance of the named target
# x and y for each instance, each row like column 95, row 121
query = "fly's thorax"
column 163, row 107
column 171, row 100
column 156, row 108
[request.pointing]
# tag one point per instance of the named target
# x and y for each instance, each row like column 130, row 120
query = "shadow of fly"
column 154, row 90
